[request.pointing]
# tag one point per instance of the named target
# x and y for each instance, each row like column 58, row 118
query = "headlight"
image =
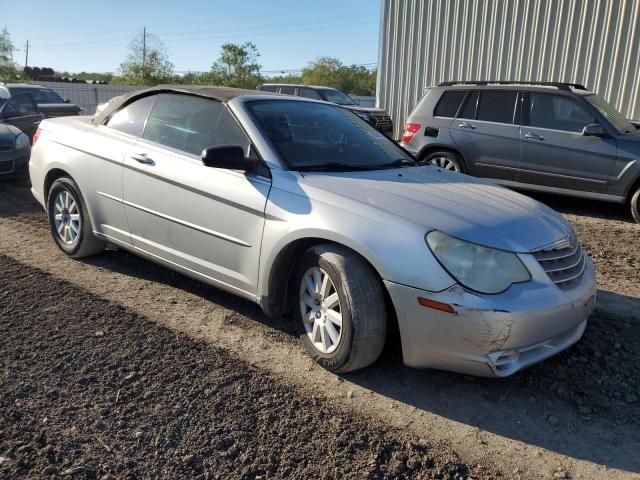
column 22, row 141
column 478, row 268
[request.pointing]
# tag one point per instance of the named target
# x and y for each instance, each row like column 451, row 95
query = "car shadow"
column 584, row 207
column 16, row 198
column 545, row 406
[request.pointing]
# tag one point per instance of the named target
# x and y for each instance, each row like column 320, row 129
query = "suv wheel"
column 69, row 220
column 339, row 308
column 445, row 160
column 635, row 205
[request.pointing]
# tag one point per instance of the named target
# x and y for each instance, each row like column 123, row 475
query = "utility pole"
column 144, row 47
column 26, row 57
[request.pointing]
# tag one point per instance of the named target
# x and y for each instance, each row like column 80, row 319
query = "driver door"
column 22, row 112
column 206, row 220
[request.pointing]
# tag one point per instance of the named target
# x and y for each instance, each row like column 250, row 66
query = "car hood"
column 375, row 111
column 7, row 134
column 468, row 208
column 58, row 109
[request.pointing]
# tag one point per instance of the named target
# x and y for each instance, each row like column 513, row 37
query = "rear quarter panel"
column 92, row 157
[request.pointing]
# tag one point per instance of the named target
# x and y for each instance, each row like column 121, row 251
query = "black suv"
column 376, row 117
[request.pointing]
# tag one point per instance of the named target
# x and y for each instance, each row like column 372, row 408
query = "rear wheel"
column 69, row 220
column 635, row 205
column 339, row 308
column 446, row 160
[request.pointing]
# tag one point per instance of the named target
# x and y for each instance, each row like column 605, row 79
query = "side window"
column 469, row 110
column 309, row 93
column 131, row 118
column 268, row 88
column 496, row 106
column 449, row 103
column 556, row 112
column 288, row 90
column 18, row 105
column 191, row 124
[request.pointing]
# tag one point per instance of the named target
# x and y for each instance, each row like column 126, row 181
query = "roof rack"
column 559, row 85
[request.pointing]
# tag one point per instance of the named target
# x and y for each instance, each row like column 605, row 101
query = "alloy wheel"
column 320, row 310
column 67, row 218
column 444, row 163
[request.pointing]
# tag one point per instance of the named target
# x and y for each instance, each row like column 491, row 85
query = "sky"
column 93, row 35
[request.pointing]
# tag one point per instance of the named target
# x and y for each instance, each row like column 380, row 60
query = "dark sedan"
column 48, row 101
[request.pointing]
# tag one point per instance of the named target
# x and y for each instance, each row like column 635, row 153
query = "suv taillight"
column 35, row 137
column 410, row 129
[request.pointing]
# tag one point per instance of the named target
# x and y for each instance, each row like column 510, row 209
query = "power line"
column 233, row 32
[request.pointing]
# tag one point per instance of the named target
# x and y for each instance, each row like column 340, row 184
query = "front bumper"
column 492, row 335
column 13, row 162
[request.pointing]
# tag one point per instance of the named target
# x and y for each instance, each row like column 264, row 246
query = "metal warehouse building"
column 592, row 42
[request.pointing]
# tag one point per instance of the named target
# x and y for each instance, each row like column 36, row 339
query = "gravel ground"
column 91, row 390
column 573, row 416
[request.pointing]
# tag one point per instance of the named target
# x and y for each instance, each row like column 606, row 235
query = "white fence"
column 364, row 101
column 88, row 96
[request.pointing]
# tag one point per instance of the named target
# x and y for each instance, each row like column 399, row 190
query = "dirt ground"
column 573, row 416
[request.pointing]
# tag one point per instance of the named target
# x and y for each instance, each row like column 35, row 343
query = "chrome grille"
column 382, row 120
column 564, row 265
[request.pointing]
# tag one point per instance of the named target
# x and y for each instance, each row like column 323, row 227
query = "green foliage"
column 105, row 77
column 236, row 67
column 330, row 72
column 285, row 79
column 8, row 68
column 146, row 64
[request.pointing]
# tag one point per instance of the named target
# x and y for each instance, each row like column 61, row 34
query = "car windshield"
column 618, row 120
column 321, row 137
column 40, row 95
column 336, row 96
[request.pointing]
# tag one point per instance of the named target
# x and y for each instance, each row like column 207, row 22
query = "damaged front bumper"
column 492, row 335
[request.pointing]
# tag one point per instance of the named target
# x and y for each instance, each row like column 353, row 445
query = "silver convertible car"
column 304, row 208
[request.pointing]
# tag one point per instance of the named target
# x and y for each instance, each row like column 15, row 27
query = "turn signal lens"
column 443, row 307
column 410, row 129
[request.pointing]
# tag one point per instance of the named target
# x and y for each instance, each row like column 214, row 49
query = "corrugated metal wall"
column 425, row 42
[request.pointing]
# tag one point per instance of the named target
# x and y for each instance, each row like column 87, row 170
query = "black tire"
column 635, row 204
column 453, row 157
column 362, row 306
column 85, row 243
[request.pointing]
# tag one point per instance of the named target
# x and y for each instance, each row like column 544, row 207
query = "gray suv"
column 549, row 137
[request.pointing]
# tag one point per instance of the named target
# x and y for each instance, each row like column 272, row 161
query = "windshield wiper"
column 336, row 166
column 401, row 162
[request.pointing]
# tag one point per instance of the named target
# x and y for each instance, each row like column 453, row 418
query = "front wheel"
column 635, row 205
column 339, row 308
column 69, row 220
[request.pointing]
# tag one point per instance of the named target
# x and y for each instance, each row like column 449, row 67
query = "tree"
column 8, row 70
column 147, row 62
column 330, row 72
column 236, row 67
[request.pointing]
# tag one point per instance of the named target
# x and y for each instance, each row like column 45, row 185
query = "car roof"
column 299, row 85
column 517, row 88
column 222, row 94
column 22, row 85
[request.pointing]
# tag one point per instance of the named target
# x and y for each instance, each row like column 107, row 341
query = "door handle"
column 533, row 136
column 466, row 125
column 142, row 158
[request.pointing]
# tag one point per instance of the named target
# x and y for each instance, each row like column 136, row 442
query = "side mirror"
column 66, row 100
column 593, row 130
column 228, row 156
